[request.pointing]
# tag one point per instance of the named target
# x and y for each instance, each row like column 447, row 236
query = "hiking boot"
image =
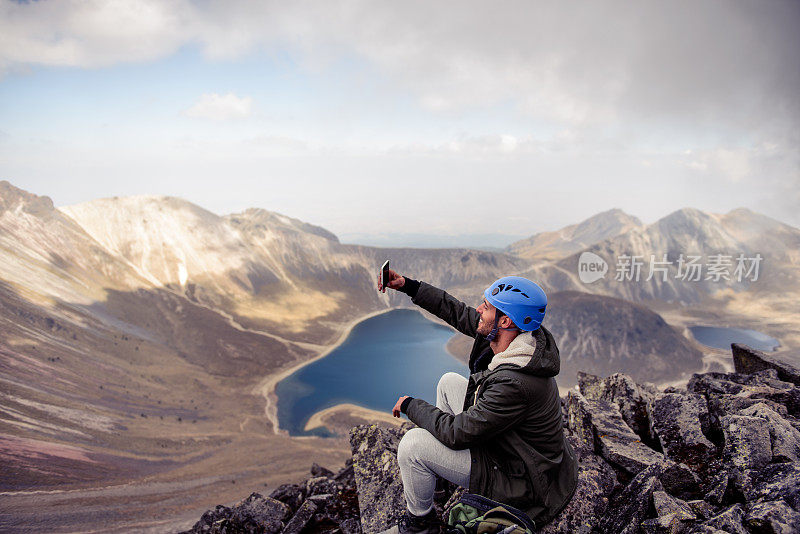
column 412, row 524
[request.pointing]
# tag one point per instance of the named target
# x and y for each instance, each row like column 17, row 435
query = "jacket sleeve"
column 502, row 405
column 448, row 308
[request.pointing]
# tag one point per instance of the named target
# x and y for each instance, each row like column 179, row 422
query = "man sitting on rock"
column 499, row 433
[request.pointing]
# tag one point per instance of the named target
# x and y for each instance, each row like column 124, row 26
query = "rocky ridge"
column 720, row 455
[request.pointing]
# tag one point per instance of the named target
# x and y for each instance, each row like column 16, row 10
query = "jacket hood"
column 535, row 353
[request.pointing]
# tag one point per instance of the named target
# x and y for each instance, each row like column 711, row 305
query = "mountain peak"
column 269, row 218
column 12, row 198
column 570, row 239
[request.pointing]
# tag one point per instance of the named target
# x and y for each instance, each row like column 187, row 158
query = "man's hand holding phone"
column 389, row 278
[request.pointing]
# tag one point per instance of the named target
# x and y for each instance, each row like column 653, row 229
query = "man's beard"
column 485, row 328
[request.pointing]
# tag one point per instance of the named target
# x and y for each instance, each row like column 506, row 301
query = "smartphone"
column 385, row 278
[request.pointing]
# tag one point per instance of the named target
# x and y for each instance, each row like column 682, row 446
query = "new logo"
column 591, row 267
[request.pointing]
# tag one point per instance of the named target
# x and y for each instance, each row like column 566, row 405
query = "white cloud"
column 215, row 107
column 716, row 63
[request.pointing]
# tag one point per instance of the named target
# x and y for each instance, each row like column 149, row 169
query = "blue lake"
column 386, row 356
column 721, row 338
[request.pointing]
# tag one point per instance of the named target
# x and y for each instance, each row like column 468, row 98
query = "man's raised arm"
column 437, row 301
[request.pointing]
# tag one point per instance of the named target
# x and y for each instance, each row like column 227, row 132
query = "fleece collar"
column 519, row 351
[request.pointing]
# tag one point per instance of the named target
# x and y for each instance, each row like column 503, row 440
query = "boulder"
column 596, row 481
column 579, row 421
column 679, row 480
column 733, row 404
column 784, row 437
column 748, row 389
column 290, row 494
column 748, row 360
column 632, row 504
column 681, row 421
column 211, row 520
column 716, row 384
column 773, row 517
column 319, row 471
column 301, row 518
column 663, row 524
column 702, row 509
column 377, row 475
column 666, row 504
column 350, row 526
column 747, row 442
column 631, row 399
column 258, row 514
column 730, row 520
column 599, row 423
column 773, row 482
column 717, row 487
column 322, row 485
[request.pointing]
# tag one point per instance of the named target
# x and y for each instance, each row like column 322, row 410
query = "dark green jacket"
column 511, row 421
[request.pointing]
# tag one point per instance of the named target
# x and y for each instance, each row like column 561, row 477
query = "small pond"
column 721, row 338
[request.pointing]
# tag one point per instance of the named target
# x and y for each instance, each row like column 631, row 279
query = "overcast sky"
column 440, row 117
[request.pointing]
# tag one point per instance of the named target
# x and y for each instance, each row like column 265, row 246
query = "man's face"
column 486, row 322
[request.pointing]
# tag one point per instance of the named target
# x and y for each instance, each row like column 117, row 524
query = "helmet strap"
column 496, row 328
column 493, row 334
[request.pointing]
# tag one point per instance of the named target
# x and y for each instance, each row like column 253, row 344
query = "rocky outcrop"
column 724, row 458
column 324, row 503
column 749, row 361
column 601, row 428
column 377, row 474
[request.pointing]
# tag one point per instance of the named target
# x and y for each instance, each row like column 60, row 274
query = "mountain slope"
column 551, row 246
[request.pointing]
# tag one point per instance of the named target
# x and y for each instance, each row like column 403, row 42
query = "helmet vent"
column 527, row 320
column 495, row 291
column 541, row 310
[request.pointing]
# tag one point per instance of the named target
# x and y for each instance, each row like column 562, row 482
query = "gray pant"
column 421, row 456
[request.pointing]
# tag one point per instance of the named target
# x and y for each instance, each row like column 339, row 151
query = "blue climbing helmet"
column 522, row 300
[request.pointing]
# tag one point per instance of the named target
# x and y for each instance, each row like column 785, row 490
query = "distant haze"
column 476, row 241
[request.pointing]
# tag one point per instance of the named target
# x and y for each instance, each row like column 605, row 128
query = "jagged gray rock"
column 784, row 437
column 663, row 524
column 773, row 517
column 596, row 481
column 773, row 482
column 753, row 481
column 377, row 474
column 679, row 422
column 666, row 504
column 631, row 398
column 679, row 480
column 290, row 494
column 600, row 426
column 748, row 360
column 717, row 486
column 702, row 509
column 258, row 514
column 747, row 442
column 631, row 505
column 319, row 471
column 322, row 484
column 729, row 520
column 300, row 518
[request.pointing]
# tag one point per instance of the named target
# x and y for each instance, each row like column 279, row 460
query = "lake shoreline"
column 266, row 388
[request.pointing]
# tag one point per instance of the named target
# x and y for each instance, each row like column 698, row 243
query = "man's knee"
column 412, row 444
column 448, row 380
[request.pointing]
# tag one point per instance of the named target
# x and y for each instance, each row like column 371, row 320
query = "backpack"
column 475, row 514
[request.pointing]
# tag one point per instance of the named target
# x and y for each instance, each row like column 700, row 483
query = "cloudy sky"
column 407, row 117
